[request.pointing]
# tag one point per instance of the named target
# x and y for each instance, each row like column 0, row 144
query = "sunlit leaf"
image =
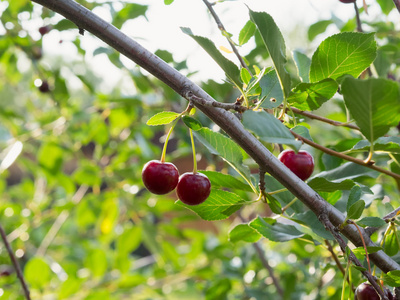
column 162, row 118
column 373, row 103
column 343, row 53
column 218, row 206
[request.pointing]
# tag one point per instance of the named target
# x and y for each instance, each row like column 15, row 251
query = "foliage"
column 84, row 227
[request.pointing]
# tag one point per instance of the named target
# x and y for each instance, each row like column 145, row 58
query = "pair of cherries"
column 162, row 177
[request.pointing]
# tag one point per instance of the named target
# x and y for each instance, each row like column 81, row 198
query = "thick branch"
column 88, row 21
column 397, row 3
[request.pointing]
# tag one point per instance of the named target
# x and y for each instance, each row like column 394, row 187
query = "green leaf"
column 391, row 245
column 245, row 75
column 129, row 240
column 303, row 64
column 271, row 95
column 321, row 184
column 163, row 118
column 129, row 12
column 218, row 289
column 64, row 24
column 243, row 232
column 219, row 179
column 309, row 219
column 269, row 128
column 359, row 252
column 192, row 123
column 218, row 206
column 356, row 210
column 392, row 278
column 51, row 157
column 303, row 131
column 386, row 6
column 371, row 221
column 274, row 231
column 390, row 144
column 168, row 2
column 348, row 170
column 223, row 146
column 343, row 53
column 37, row 272
column 374, row 104
column 246, row 33
column 96, row 261
column 354, row 196
column 88, row 173
column 275, row 44
column 273, row 204
column 318, row 28
column 317, row 94
column 230, row 69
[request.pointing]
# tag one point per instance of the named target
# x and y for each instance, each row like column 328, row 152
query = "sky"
column 161, row 29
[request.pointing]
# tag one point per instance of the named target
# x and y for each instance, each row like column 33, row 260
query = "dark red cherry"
column 160, row 177
column 44, row 29
column 44, row 87
column 365, row 291
column 301, row 163
column 347, row 1
column 193, row 188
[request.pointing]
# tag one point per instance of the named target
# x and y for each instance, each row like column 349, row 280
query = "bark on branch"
column 90, row 22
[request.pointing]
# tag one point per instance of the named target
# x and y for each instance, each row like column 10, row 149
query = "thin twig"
column 269, row 268
column 62, row 217
column 265, row 263
column 15, row 263
column 322, row 119
column 346, row 157
column 359, row 26
column 222, row 28
column 237, row 106
column 335, row 258
column 329, row 226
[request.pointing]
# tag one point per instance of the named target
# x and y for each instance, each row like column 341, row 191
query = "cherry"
column 44, row 87
column 193, row 188
column 301, row 164
column 160, row 177
column 366, row 291
column 44, row 30
column 347, row 1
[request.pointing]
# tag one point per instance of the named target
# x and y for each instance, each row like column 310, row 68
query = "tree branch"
column 397, row 3
column 346, row 157
column 322, row 119
column 15, row 263
column 90, row 22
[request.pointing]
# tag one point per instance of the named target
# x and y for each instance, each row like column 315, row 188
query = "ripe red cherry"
column 44, row 87
column 301, row 163
column 44, row 29
column 160, row 177
column 347, row 1
column 365, row 291
column 193, row 188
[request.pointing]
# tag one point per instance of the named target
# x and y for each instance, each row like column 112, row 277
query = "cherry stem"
column 164, row 151
column 288, row 205
column 277, row 191
column 194, row 152
column 346, row 274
